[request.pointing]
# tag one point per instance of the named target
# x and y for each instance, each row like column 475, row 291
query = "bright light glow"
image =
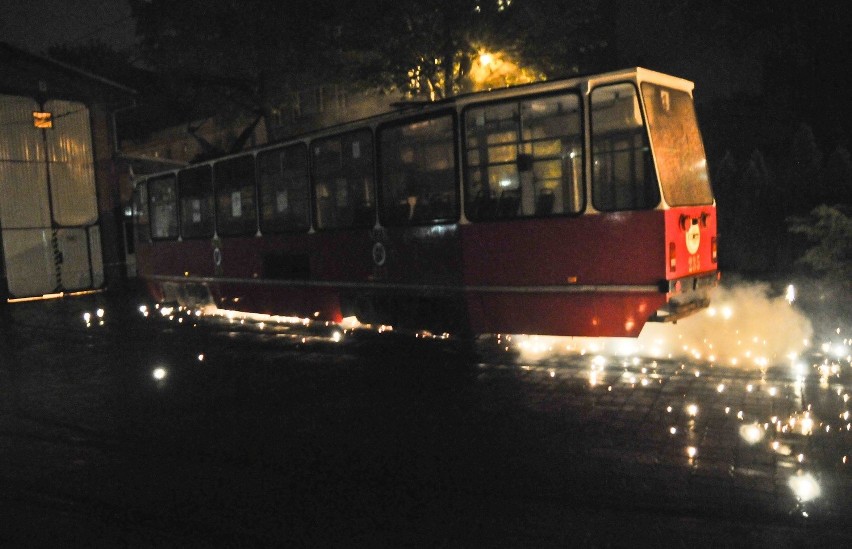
column 692, row 410
column 720, row 388
column 87, row 317
column 790, row 295
column 159, row 373
column 350, row 323
column 691, row 451
column 201, row 357
column 752, row 433
column 336, row 336
column 593, row 378
column 804, row 486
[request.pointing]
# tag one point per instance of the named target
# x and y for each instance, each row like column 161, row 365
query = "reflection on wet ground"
column 172, row 427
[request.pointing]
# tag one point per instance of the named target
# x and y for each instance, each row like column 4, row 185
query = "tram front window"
column 677, row 145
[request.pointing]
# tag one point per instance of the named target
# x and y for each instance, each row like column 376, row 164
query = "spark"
column 804, row 486
column 752, row 433
column 790, row 295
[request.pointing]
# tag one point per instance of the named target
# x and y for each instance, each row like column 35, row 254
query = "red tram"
column 574, row 207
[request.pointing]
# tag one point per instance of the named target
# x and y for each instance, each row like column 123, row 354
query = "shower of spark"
column 743, row 327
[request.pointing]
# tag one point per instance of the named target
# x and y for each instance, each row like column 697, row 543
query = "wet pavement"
column 165, row 430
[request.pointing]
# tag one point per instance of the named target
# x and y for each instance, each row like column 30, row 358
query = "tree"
column 432, row 49
column 804, row 182
column 829, row 229
column 245, row 56
column 837, row 175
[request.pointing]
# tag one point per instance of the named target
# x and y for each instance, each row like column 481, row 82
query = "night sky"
column 35, row 25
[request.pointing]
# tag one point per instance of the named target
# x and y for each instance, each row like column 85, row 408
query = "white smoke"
column 745, row 326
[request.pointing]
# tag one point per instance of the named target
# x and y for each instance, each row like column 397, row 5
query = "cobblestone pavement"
column 171, row 430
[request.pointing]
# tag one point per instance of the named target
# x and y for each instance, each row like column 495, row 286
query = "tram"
column 575, row 207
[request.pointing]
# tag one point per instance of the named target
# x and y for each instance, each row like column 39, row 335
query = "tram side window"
column 283, row 187
column 343, row 180
column 139, row 210
column 195, row 187
column 623, row 176
column 235, row 196
column 418, row 173
column 524, row 158
column 162, row 195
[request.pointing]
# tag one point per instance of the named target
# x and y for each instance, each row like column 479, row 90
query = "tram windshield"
column 677, row 145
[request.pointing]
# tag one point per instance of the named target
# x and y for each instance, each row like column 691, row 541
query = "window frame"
column 152, row 217
column 218, row 189
column 581, row 182
column 137, row 202
column 395, row 124
column 212, row 197
column 267, row 229
column 647, row 139
column 342, row 136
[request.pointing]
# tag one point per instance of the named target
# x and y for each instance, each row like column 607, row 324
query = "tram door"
column 48, row 205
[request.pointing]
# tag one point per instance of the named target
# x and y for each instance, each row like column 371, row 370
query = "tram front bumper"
column 685, row 296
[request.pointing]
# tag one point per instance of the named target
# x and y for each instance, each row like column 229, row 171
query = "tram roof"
column 425, row 107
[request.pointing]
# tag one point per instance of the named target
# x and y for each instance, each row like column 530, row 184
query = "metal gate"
column 48, row 201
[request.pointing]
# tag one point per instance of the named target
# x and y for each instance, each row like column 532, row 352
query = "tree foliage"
column 428, row 48
column 255, row 53
column 829, row 229
column 244, row 55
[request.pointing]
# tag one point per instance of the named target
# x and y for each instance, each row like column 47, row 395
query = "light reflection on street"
column 753, row 415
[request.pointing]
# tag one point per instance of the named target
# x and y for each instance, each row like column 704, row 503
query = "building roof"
column 27, row 74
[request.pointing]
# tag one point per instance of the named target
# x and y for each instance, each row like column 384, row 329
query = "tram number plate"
column 694, row 264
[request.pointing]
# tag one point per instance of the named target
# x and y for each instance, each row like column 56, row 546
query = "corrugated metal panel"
column 74, row 268
column 30, row 265
column 23, row 176
column 40, row 260
column 19, row 139
column 23, row 195
column 96, row 256
column 71, row 161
